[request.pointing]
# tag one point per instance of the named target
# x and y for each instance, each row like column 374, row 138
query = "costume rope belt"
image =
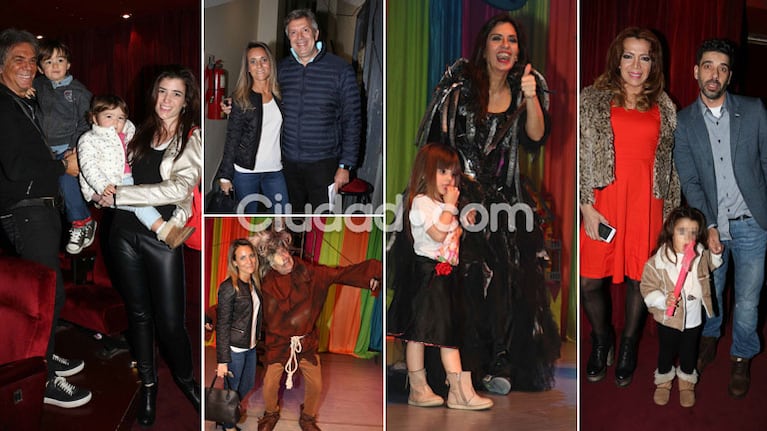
column 292, row 365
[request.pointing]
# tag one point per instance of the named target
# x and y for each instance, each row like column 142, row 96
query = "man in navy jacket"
column 321, row 115
column 721, row 155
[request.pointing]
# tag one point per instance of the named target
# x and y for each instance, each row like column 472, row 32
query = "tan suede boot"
column 462, row 395
column 663, row 384
column 421, row 394
column 687, row 387
column 174, row 235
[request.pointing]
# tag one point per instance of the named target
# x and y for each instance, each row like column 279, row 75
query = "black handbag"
column 222, row 405
column 218, row 202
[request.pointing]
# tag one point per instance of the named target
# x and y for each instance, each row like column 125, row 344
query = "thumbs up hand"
column 528, row 83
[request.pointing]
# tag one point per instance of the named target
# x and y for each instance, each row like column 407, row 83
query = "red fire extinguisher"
column 215, row 83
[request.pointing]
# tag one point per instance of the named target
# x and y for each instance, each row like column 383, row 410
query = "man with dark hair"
column 29, row 191
column 322, row 116
column 721, row 155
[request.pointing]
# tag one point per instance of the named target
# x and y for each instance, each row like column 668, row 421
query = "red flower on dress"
column 443, row 268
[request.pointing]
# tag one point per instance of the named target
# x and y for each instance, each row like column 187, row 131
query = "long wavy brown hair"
column 612, row 81
column 153, row 126
column 478, row 63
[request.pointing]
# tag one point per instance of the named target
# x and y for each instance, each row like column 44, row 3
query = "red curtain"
column 125, row 59
column 559, row 175
column 682, row 25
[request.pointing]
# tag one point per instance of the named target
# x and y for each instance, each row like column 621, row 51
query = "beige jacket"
column 657, row 284
column 179, row 176
column 597, row 152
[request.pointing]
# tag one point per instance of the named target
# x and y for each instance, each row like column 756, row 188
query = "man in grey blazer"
column 721, row 155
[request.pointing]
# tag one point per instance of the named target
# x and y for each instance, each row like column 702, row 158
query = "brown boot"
column 687, row 387
column 421, row 394
column 740, row 377
column 663, row 384
column 306, row 422
column 706, row 352
column 268, row 421
column 462, row 395
column 174, row 235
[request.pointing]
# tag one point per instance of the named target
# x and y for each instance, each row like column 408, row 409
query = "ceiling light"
column 126, row 16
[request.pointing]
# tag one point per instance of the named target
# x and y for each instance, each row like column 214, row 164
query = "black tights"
column 596, row 304
column 673, row 342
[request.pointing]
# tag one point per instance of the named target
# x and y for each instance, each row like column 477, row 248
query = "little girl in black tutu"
column 425, row 310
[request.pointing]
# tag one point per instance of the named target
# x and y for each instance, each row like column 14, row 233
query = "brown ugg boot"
column 687, row 387
column 462, row 395
column 421, row 394
column 663, row 384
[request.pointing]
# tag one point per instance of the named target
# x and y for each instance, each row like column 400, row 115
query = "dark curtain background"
column 681, row 24
column 124, row 59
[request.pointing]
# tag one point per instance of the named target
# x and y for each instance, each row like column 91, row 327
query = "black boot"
column 147, row 405
column 191, row 391
column 602, row 356
column 627, row 362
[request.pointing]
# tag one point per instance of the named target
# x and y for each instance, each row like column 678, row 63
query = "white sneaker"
column 66, row 367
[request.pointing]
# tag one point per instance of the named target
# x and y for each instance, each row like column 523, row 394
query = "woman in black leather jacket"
column 239, row 319
column 252, row 163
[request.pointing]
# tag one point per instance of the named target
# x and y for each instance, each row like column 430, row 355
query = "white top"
column 268, row 157
column 691, row 294
column 101, row 158
column 423, row 214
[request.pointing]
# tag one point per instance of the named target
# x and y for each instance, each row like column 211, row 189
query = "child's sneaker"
column 59, row 392
column 81, row 237
column 65, row 367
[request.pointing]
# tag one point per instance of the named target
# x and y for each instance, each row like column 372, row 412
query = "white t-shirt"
column 423, row 214
column 268, row 157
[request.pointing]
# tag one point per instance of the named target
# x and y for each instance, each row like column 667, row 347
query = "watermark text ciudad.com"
column 473, row 217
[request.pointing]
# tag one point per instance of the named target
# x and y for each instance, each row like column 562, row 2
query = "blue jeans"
column 267, row 185
column 747, row 247
column 74, row 204
column 243, row 366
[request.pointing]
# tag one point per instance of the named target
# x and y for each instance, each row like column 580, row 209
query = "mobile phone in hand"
column 606, row 232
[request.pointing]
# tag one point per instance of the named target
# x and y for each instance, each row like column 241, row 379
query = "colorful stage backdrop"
column 352, row 320
column 423, row 37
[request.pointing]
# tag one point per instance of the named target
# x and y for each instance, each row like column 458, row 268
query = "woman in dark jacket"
column 252, row 162
column 239, row 319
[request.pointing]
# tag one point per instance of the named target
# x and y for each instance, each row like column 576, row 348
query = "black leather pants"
column 150, row 278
